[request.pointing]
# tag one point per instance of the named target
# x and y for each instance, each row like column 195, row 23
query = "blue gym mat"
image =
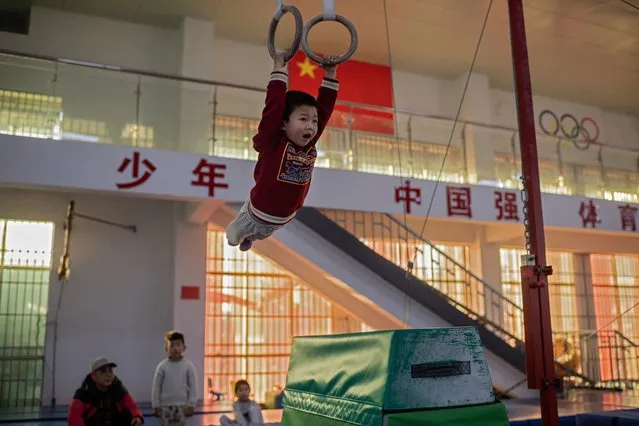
column 58, row 418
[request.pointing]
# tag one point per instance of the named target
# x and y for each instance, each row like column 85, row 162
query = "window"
column 420, row 160
column 564, row 313
column 615, row 282
column 253, row 311
column 563, row 294
column 25, row 263
column 30, row 114
column 442, row 266
column 555, row 178
column 138, row 136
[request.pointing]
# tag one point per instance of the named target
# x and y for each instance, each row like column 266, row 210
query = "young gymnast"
column 246, row 411
column 292, row 122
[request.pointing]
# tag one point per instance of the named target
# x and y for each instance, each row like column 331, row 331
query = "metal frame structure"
column 534, row 272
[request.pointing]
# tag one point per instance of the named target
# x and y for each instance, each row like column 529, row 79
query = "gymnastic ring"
column 541, row 122
column 337, row 18
column 299, row 22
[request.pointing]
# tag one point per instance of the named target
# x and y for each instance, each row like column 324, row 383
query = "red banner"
column 360, row 83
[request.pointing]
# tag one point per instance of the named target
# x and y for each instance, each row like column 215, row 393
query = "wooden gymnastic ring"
column 299, row 23
column 337, row 18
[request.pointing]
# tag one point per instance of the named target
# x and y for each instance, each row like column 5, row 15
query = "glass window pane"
column 24, row 286
column 253, row 311
column 28, row 243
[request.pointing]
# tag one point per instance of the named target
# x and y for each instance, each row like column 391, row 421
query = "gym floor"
column 576, row 402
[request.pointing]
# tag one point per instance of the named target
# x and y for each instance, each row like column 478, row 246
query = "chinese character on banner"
column 589, row 213
column 135, row 174
column 628, row 217
column 209, row 175
column 506, row 205
column 408, row 195
column 459, row 202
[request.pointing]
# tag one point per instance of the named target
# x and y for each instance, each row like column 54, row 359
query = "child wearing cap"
column 175, row 383
column 102, row 399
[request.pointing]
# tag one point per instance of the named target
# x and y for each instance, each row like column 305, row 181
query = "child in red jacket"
column 291, row 124
column 103, row 400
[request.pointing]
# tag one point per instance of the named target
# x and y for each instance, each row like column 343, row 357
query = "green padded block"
column 418, row 356
column 479, row 415
column 292, row 417
column 355, row 378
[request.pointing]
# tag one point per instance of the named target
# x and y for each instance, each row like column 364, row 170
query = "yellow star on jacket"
column 307, row 68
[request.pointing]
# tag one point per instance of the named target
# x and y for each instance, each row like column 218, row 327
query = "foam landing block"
column 364, row 378
column 481, row 415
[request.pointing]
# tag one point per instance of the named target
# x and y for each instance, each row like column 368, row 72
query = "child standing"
column 246, row 412
column 175, row 383
column 291, row 124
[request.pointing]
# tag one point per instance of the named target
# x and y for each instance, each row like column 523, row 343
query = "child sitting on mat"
column 246, row 411
column 291, row 124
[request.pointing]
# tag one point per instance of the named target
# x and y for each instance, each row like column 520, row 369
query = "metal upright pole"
column 538, row 331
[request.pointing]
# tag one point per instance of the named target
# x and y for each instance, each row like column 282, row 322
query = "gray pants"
column 173, row 415
column 245, row 227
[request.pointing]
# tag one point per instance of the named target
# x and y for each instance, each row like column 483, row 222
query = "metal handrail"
column 480, row 317
column 465, row 270
column 206, row 82
column 617, row 333
column 422, row 239
column 626, row 339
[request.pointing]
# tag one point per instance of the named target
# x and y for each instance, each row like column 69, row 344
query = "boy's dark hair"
column 296, row 98
column 240, row 383
column 172, row 335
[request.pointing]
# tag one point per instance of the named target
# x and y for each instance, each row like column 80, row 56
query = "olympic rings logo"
column 585, row 130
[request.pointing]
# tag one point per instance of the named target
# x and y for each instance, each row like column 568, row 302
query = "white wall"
column 615, row 129
column 119, row 299
column 27, row 161
column 94, row 39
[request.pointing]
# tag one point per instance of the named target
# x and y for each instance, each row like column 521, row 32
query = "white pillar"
column 190, row 274
column 486, row 264
column 476, row 108
column 196, row 100
column 587, row 318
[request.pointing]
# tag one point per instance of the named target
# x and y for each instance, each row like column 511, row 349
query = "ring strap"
column 299, row 31
column 279, row 12
column 329, row 10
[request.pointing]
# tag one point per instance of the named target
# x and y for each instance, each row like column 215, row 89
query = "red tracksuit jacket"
column 90, row 405
column 283, row 170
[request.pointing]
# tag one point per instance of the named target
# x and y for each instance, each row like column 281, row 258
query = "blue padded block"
column 609, row 418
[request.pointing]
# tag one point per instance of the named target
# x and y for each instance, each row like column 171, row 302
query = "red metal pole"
column 540, row 364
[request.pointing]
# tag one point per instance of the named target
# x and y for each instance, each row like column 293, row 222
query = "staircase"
column 438, row 270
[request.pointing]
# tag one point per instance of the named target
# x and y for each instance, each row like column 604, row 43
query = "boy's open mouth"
column 307, row 135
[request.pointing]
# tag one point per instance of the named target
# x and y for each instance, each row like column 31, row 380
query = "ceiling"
column 583, row 50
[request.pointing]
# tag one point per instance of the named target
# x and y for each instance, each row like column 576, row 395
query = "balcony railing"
column 55, row 98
